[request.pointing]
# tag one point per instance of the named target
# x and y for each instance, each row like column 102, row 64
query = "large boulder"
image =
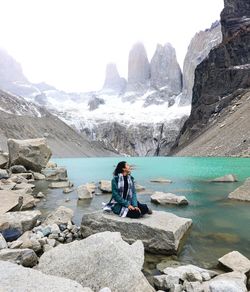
column 85, row 192
column 242, row 193
column 168, row 198
column 236, row 262
column 22, row 220
column 32, row 153
column 101, row 260
column 160, row 232
column 105, row 186
column 17, row 278
column 25, row 257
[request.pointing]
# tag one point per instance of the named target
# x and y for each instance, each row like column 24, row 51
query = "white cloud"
column 68, row 42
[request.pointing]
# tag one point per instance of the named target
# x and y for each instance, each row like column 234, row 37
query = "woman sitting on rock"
column 124, row 200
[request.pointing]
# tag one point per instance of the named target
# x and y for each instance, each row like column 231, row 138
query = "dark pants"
column 136, row 213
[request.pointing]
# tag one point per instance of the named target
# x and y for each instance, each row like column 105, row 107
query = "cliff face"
column 20, row 119
column 113, row 81
column 199, row 48
column 224, row 76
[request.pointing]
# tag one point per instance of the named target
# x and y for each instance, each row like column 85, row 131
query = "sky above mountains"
column 67, row 43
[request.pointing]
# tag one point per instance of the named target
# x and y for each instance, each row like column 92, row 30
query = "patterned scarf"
column 124, row 210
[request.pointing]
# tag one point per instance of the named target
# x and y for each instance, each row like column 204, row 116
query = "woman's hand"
column 130, row 207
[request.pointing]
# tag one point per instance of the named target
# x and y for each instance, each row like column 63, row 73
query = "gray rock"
column 38, row 176
column 25, row 257
column 18, row 169
column 160, row 232
column 4, row 158
column 165, row 71
column 194, row 286
column 17, row 278
column 22, row 220
column 165, row 282
column 61, row 216
column 29, row 240
column 32, row 154
column 55, row 173
column 100, row 260
column 3, row 174
column 168, row 198
column 85, row 192
column 242, row 193
column 105, row 186
column 236, row 262
column 3, row 243
column 60, row 185
column 190, row 273
column 229, row 282
column 94, row 102
column 161, row 180
column 226, row 178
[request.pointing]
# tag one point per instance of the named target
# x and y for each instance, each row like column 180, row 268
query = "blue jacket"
column 120, row 202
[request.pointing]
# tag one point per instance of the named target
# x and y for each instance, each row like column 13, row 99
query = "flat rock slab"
column 22, row 220
column 236, row 262
column 242, row 193
column 9, row 200
column 160, row 232
column 161, row 180
column 18, row 278
column 168, row 198
column 225, row 178
column 101, row 260
column 60, row 185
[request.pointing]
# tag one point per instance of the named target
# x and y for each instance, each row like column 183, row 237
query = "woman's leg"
column 133, row 214
column 143, row 208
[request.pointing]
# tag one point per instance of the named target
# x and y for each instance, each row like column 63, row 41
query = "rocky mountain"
column 20, row 119
column 222, row 81
column 138, row 69
column 165, row 70
column 113, row 81
column 199, row 48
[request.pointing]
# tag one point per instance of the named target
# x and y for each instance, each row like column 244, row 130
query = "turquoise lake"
column 219, row 226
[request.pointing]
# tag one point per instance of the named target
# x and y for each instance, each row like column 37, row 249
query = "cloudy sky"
column 68, row 43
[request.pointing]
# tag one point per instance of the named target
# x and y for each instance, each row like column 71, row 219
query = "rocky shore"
column 106, row 253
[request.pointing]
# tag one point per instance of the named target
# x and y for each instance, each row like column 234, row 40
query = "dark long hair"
column 119, row 167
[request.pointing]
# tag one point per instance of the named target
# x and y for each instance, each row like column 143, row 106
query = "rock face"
column 242, row 193
column 165, row 70
column 101, row 260
column 198, row 50
column 17, row 278
column 138, row 69
column 160, row 232
column 224, row 76
column 113, row 81
column 61, row 216
column 144, row 139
